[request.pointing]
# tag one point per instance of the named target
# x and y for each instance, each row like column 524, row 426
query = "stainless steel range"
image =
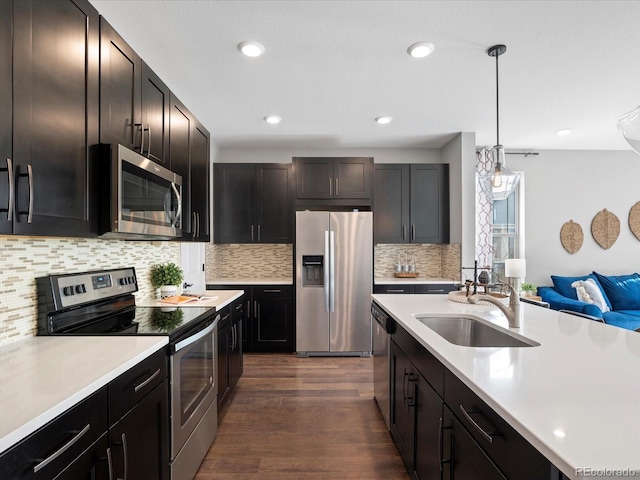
column 102, row 303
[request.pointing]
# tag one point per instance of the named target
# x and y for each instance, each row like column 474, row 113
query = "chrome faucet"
column 513, row 312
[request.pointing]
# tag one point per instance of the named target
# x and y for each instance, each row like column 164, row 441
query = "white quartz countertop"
column 252, row 281
column 575, row 397
column 212, row 298
column 418, row 280
column 44, row 376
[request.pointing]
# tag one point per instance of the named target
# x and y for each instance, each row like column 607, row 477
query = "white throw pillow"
column 588, row 291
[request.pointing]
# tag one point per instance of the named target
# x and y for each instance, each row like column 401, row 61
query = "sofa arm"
column 560, row 302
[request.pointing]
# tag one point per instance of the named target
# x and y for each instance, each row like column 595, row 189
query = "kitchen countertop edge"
column 504, row 397
column 59, row 403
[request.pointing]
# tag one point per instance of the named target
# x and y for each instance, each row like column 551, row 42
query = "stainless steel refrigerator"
column 334, row 268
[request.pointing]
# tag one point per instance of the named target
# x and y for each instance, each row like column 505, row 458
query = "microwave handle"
column 179, row 212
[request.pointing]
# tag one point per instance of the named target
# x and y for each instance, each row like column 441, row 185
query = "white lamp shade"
column 515, row 268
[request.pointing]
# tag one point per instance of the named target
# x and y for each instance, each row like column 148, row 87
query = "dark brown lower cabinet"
column 443, row 430
column 139, row 442
column 269, row 317
column 416, row 413
column 230, row 349
column 271, row 324
column 462, row 456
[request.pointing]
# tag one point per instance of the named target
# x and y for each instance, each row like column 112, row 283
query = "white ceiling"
column 330, row 67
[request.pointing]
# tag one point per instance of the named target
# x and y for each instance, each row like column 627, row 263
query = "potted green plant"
column 528, row 289
column 167, row 277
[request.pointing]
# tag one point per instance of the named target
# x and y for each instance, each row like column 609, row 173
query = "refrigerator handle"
column 326, row 270
column 332, row 275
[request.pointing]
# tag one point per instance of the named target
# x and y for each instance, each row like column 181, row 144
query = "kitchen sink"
column 469, row 332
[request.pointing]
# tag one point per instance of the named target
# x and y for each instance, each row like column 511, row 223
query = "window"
column 508, row 229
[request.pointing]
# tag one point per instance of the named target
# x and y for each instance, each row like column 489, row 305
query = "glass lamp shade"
column 500, row 182
column 629, row 127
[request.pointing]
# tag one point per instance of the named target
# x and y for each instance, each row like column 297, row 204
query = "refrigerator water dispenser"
column 312, row 270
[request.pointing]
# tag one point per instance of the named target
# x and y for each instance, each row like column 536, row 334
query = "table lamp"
column 515, row 268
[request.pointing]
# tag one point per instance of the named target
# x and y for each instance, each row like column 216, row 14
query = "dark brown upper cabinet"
column 189, row 145
column 134, row 101
column 6, row 118
column 411, row 203
column 253, row 203
column 155, row 99
column 49, row 92
column 333, row 181
column 120, row 85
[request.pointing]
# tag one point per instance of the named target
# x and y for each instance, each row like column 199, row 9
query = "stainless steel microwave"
column 144, row 198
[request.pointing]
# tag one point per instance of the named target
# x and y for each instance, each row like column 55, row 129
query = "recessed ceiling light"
column 251, row 48
column 384, row 119
column 564, row 131
column 421, row 49
column 272, row 119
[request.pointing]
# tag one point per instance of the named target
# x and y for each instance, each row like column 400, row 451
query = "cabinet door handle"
column 62, row 449
column 252, row 233
column 404, row 232
column 193, row 227
column 148, row 129
column 404, row 387
column 141, row 128
column 255, row 309
column 198, row 223
column 248, row 314
column 436, row 290
column 30, row 211
column 110, row 463
column 125, row 454
column 395, row 290
column 337, row 194
column 487, row 436
column 146, row 382
column 413, row 232
column 411, row 401
column 330, row 191
column 11, row 202
column 441, row 442
column 259, row 235
column 275, row 290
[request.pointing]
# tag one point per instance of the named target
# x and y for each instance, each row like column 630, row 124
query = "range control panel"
column 78, row 288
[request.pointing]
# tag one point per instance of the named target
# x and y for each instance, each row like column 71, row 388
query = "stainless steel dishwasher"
column 383, row 326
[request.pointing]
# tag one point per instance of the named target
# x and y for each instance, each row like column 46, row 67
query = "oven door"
column 194, row 383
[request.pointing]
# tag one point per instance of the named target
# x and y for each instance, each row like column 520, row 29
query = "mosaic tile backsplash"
column 432, row 260
column 248, row 261
column 23, row 259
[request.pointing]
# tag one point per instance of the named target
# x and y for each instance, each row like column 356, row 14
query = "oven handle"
column 179, row 207
column 194, row 338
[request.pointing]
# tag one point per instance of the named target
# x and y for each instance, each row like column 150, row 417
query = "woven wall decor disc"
column 634, row 220
column 605, row 228
column 571, row 236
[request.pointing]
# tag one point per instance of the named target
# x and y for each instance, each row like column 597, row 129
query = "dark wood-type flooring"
column 295, row 418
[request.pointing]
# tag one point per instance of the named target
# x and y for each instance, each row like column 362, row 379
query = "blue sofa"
column 621, row 294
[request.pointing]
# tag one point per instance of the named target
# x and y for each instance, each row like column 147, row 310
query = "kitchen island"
column 573, row 397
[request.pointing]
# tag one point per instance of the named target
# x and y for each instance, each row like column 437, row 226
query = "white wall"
column 584, row 183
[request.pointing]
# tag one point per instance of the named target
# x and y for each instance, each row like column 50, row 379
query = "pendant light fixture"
column 499, row 182
column 629, row 127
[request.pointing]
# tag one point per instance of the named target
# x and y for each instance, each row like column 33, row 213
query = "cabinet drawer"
column 516, row 457
column 225, row 318
column 132, row 386
column 435, row 288
column 237, row 310
column 399, row 289
column 49, row 450
column 273, row 291
column 428, row 365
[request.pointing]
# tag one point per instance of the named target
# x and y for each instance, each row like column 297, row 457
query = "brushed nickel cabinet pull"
column 337, row 191
column 30, row 213
column 62, row 449
column 487, row 436
column 11, row 202
column 330, row 191
column 142, row 385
